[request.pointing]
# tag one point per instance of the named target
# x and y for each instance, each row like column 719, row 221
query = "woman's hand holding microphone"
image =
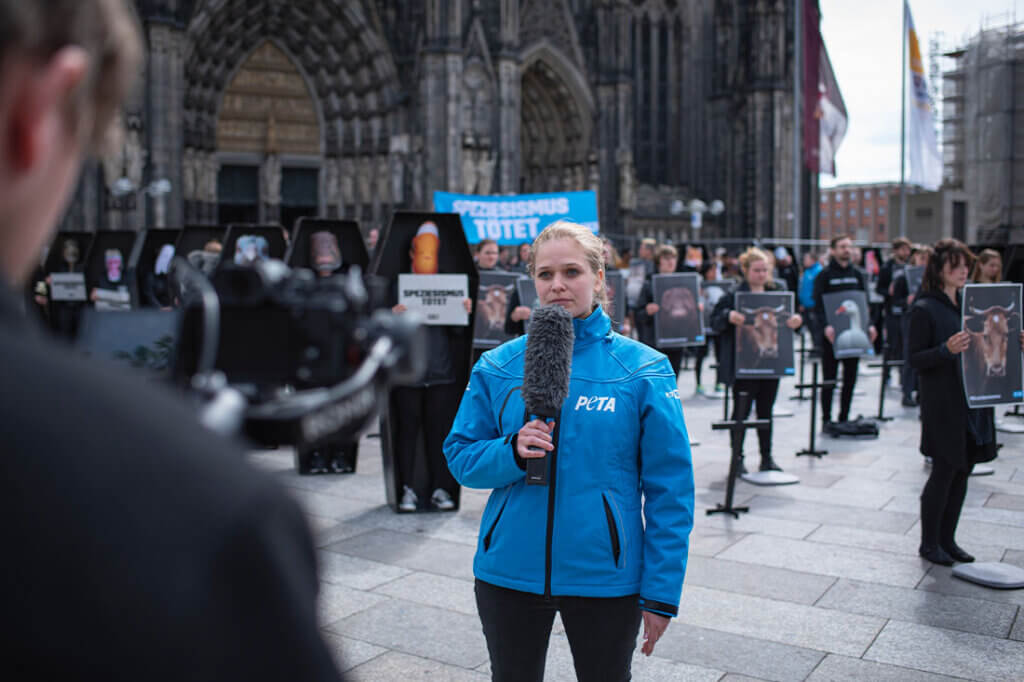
column 534, row 439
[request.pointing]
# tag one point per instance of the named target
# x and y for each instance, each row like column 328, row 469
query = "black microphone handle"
column 537, row 467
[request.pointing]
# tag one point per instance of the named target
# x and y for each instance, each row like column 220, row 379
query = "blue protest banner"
column 518, row 218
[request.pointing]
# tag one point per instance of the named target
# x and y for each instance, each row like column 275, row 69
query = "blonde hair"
column 984, row 257
column 665, row 251
column 593, row 249
column 752, row 255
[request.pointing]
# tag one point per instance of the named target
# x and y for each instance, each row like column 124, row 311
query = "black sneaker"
column 768, row 464
column 908, row 401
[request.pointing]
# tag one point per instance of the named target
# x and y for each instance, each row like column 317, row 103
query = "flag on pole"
column 924, row 163
column 825, row 117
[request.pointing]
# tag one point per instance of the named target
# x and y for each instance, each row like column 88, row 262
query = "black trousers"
column 830, row 370
column 762, row 393
column 908, row 377
column 941, row 502
column 893, row 342
column 602, row 633
column 675, row 358
column 430, row 411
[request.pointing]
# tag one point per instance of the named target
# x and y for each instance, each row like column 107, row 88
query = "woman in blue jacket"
column 605, row 544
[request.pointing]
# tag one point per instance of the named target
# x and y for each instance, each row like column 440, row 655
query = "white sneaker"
column 442, row 500
column 409, row 500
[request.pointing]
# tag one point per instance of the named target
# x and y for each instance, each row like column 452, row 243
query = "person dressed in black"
column 892, row 310
column 952, row 435
column 665, row 260
column 487, row 254
column 839, row 275
column 757, row 271
column 123, row 520
column 902, row 299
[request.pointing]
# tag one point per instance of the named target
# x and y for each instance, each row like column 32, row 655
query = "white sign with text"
column 438, row 298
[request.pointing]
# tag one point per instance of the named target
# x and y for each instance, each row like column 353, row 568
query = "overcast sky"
column 863, row 38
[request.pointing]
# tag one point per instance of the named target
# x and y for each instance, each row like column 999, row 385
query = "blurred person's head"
column 841, row 248
column 647, row 247
column 920, row 255
column 487, row 254
column 782, row 257
column 901, row 248
column 524, row 252
column 371, row 238
column 65, row 68
column 810, row 258
column 989, row 267
column 757, row 267
column 666, row 258
column 948, row 265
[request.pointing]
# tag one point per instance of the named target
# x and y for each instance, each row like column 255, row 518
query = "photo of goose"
column 847, row 313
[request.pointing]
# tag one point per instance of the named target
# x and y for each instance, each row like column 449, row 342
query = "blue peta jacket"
column 616, row 516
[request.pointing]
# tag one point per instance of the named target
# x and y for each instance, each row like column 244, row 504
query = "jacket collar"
column 941, row 297
column 592, row 328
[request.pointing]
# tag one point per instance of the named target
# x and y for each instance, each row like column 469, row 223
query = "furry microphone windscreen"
column 548, row 360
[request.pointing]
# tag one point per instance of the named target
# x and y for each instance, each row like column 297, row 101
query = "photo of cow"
column 847, row 313
column 615, row 287
column 991, row 365
column 764, row 344
column 492, row 301
column 679, row 320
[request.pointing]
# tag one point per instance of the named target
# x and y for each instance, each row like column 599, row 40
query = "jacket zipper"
column 552, row 480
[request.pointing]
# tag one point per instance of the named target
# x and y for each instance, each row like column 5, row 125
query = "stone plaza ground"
column 819, row 581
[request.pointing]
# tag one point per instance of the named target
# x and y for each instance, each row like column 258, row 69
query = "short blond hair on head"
column 752, row 255
column 593, row 248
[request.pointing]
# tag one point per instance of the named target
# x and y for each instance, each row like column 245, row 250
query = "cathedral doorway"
column 557, row 123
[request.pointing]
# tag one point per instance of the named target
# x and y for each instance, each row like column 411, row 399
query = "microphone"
column 546, row 375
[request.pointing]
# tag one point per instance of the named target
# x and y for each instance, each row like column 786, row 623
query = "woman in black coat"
column 757, row 273
column 952, row 435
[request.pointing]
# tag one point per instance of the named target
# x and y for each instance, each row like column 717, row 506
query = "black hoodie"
column 835, row 277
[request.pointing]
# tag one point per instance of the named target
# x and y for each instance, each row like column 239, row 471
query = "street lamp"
column 697, row 210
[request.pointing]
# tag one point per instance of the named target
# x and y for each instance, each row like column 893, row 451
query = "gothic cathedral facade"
column 267, row 110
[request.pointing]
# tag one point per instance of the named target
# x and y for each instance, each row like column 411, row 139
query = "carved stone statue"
column 271, row 180
column 188, row 174
column 347, row 173
column 332, row 189
column 134, row 157
column 468, row 170
column 485, row 171
column 364, row 179
column 383, row 183
column 627, row 178
column 398, row 178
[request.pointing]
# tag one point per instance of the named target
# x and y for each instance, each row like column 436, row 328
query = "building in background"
column 859, row 210
column 268, row 110
column 983, row 137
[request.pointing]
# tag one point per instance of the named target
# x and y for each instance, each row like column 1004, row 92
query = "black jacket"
column 834, row 277
column 885, row 277
column 726, row 332
column 949, row 430
column 126, row 523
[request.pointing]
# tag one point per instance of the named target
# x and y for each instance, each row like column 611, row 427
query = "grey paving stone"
column 396, row 666
column 445, row 636
column 330, row 506
column 1009, row 536
column 1004, row 501
column 868, row 498
column 772, row 583
column 736, row 654
column 920, row 606
column 843, row 669
column 906, row 544
column 753, row 522
column 461, row 527
column 1017, row 632
column 337, row 602
column 777, row 621
column 339, row 530
column 710, row 541
column 961, row 654
column 1014, row 556
column 430, row 589
column 837, row 515
column 349, row 653
column 410, row 551
column 341, row 569
column 841, row 562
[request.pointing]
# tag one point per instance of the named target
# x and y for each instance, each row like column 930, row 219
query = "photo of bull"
column 991, row 364
column 492, row 302
column 679, row 320
column 764, row 344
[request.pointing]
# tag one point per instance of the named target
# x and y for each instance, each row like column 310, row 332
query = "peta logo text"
column 597, row 403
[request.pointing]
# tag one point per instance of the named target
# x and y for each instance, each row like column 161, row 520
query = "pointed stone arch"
column 268, row 107
column 557, row 127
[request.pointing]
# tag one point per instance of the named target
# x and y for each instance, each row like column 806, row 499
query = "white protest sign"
column 438, row 298
column 67, row 286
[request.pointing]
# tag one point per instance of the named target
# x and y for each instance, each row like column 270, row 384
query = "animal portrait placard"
column 527, row 296
column 615, row 287
column 992, row 363
column 679, row 320
column 847, row 313
column 914, row 275
column 764, row 344
column 492, row 301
